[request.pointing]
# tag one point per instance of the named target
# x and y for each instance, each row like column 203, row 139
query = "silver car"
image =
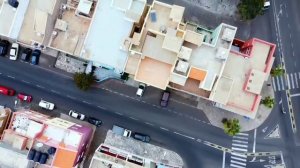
column 76, row 115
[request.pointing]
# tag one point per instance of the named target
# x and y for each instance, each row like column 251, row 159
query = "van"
column 7, row 91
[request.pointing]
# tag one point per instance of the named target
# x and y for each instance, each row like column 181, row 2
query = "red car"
column 7, row 91
column 24, row 97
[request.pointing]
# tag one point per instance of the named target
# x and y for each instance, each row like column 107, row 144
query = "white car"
column 141, row 90
column 13, row 54
column 46, row 105
column 76, row 115
column 267, row 4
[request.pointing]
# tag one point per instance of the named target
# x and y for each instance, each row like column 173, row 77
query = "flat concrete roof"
column 28, row 33
column 11, row 18
column 72, row 38
column 145, row 150
column 239, row 75
column 7, row 15
column 106, row 36
column 154, row 73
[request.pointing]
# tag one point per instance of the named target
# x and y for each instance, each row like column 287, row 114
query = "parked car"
column 165, row 99
column 35, row 56
column 7, row 91
column 267, row 4
column 3, row 47
column 25, row 97
column 140, row 137
column 76, row 115
column 26, row 54
column 46, row 105
column 13, row 54
column 94, row 121
column 13, row 3
column 121, row 131
column 141, row 89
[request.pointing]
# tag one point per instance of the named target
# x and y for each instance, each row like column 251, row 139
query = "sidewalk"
column 215, row 114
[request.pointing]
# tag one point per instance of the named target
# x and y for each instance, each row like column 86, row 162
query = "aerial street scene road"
column 149, row 84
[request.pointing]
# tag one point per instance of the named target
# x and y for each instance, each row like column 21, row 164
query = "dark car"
column 4, row 47
column 13, row 3
column 94, row 121
column 140, row 137
column 35, row 57
column 165, row 99
column 26, row 54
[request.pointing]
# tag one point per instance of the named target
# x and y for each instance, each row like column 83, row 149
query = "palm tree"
column 268, row 102
column 231, row 126
column 84, row 81
column 277, row 71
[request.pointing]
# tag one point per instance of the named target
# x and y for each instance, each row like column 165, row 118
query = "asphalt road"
column 179, row 127
column 176, row 131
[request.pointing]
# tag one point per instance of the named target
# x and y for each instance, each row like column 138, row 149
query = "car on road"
column 94, row 121
column 46, row 105
column 35, row 56
column 140, row 137
column 267, row 4
column 76, row 115
column 13, row 54
column 4, row 44
column 24, row 97
column 165, row 99
column 141, row 89
column 26, row 54
column 7, row 91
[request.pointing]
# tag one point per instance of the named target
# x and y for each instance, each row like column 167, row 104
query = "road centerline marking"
column 184, row 135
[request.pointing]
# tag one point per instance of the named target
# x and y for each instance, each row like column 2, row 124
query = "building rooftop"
column 107, row 35
column 240, row 86
column 71, row 26
column 38, row 22
column 11, row 18
column 119, row 151
column 166, row 39
column 187, row 57
column 29, row 130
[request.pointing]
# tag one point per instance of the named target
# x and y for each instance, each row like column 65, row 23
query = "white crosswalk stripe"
column 243, row 134
column 274, row 84
column 237, row 166
column 292, row 78
column 239, row 155
column 245, row 138
column 236, row 162
column 245, row 142
column 297, row 85
column 239, row 145
column 237, row 158
column 292, row 81
column 288, row 81
column 282, row 83
column 278, row 84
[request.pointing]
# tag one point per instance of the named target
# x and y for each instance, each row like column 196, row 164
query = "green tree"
column 277, row 71
column 249, row 9
column 268, row 102
column 231, row 126
column 83, row 81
